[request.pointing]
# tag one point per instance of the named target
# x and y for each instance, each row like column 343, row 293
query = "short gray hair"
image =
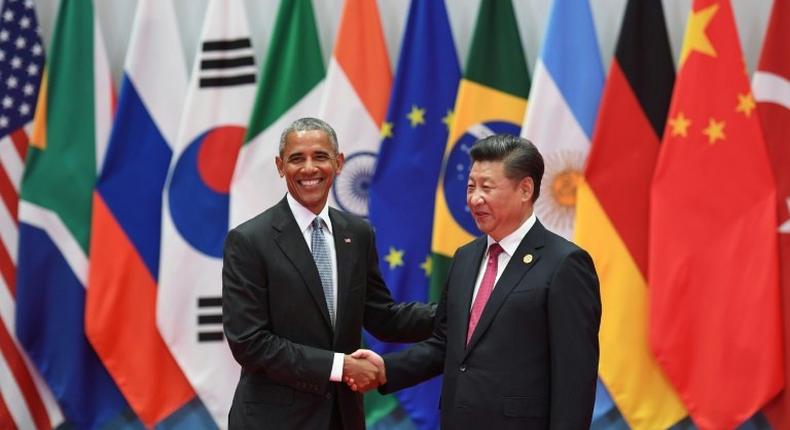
column 309, row 124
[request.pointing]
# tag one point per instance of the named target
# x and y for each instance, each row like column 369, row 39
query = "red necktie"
column 486, row 287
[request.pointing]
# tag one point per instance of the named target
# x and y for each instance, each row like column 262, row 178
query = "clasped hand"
column 363, row 370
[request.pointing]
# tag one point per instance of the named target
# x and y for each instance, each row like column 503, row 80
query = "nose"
column 474, row 199
column 310, row 165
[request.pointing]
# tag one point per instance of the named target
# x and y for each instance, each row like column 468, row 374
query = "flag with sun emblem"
column 358, row 83
column 565, row 94
column 612, row 213
column 492, row 97
column 715, row 323
column 195, row 206
column 414, row 135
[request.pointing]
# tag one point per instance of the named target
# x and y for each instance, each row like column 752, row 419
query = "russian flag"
column 120, row 317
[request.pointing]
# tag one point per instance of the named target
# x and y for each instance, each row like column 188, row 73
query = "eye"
column 322, row 158
column 296, row 159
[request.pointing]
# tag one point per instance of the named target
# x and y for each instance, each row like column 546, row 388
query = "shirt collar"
column 304, row 217
column 510, row 242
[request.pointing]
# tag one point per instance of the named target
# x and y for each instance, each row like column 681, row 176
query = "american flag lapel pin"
column 347, row 240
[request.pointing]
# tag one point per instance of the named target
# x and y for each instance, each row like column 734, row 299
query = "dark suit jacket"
column 532, row 362
column 277, row 323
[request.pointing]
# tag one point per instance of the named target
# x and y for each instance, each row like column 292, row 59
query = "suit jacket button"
column 462, row 368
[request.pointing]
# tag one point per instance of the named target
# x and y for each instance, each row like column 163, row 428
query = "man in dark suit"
column 517, row 327
column 299, row 282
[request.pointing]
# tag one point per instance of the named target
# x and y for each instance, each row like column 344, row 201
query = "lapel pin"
column 347, row 240
column 527, row 259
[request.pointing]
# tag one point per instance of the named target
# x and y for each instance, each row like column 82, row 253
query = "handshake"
column 363, row 370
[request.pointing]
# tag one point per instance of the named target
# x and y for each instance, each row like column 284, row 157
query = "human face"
column 498, row 205
column 309, row 165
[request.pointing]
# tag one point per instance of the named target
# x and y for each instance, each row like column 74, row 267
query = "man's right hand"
column 360, row 374
column 369, row 357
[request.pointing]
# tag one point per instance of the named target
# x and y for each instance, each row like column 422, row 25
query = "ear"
column 527, row 188
column 340, row 160
column 279, row 162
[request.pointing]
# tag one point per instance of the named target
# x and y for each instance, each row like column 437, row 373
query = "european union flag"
column 403, row 188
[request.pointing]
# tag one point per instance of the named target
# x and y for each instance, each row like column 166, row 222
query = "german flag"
column 612, row 213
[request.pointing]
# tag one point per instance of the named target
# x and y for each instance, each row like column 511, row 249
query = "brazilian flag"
column 492, row 98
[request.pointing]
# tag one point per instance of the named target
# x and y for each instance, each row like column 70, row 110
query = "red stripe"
column 23, row 379
column 6, row 421
column 9, row 193
column 21, row 140
column 8, row 270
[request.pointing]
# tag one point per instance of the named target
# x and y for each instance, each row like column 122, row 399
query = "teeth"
column 309, row 182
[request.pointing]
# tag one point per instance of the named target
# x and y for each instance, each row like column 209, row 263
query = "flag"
column 492, row 98
column 715, row 324
column 413, row 139
column 25, row 401
column 195, row 205
column 771, row 87
column 564, row 98
column 71, row 129
column 354, row 102
column 565, row 94
column 612, row 213
column 120, row 319
column 291, row 87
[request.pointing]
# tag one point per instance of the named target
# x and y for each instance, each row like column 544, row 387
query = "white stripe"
column 233, row 53
column 235, row 71
column 11, row 161
column 9, row 232
column 7, row 315
column 12, row 395
column 102, row 94
column 771, row 88
column 155, row 64
column 51, row 223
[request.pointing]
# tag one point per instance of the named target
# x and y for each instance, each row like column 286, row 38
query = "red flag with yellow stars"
column 715, row 324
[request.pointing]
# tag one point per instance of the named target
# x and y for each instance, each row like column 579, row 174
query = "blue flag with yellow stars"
column 403, row 189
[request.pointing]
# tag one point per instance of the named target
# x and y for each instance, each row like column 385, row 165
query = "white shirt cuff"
column 337, row 368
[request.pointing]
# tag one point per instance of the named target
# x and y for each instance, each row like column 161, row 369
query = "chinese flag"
column 771, row 86
column 715, row 323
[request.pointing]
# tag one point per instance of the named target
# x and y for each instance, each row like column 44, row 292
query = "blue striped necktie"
column 323, row 261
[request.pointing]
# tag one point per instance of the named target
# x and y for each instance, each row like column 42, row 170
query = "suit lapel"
column 516, row 269
column 291, row 241
column 345, row 259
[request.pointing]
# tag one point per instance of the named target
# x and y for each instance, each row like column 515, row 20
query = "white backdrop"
column 116, row 21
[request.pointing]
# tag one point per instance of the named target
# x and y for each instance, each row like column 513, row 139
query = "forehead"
column 307, row 141
column 493, row 170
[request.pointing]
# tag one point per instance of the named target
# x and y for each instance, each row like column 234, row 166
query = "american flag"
column 25, row 400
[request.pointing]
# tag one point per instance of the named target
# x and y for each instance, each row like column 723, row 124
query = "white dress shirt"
column 304, row 219
column 509, row 244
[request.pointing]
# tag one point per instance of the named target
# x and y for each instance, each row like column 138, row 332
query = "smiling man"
column 299, row 282
column 517, row 327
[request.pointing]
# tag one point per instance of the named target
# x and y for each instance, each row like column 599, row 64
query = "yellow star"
column 394, row 258
column 427, row 266
column 714, row 131
column 679, row 125
column 448, row 119
column 745, row 104
column 696, row 39
column 416, row 116
column 386, row 130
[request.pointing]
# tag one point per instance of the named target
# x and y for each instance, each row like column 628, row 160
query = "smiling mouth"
column 310, row 182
